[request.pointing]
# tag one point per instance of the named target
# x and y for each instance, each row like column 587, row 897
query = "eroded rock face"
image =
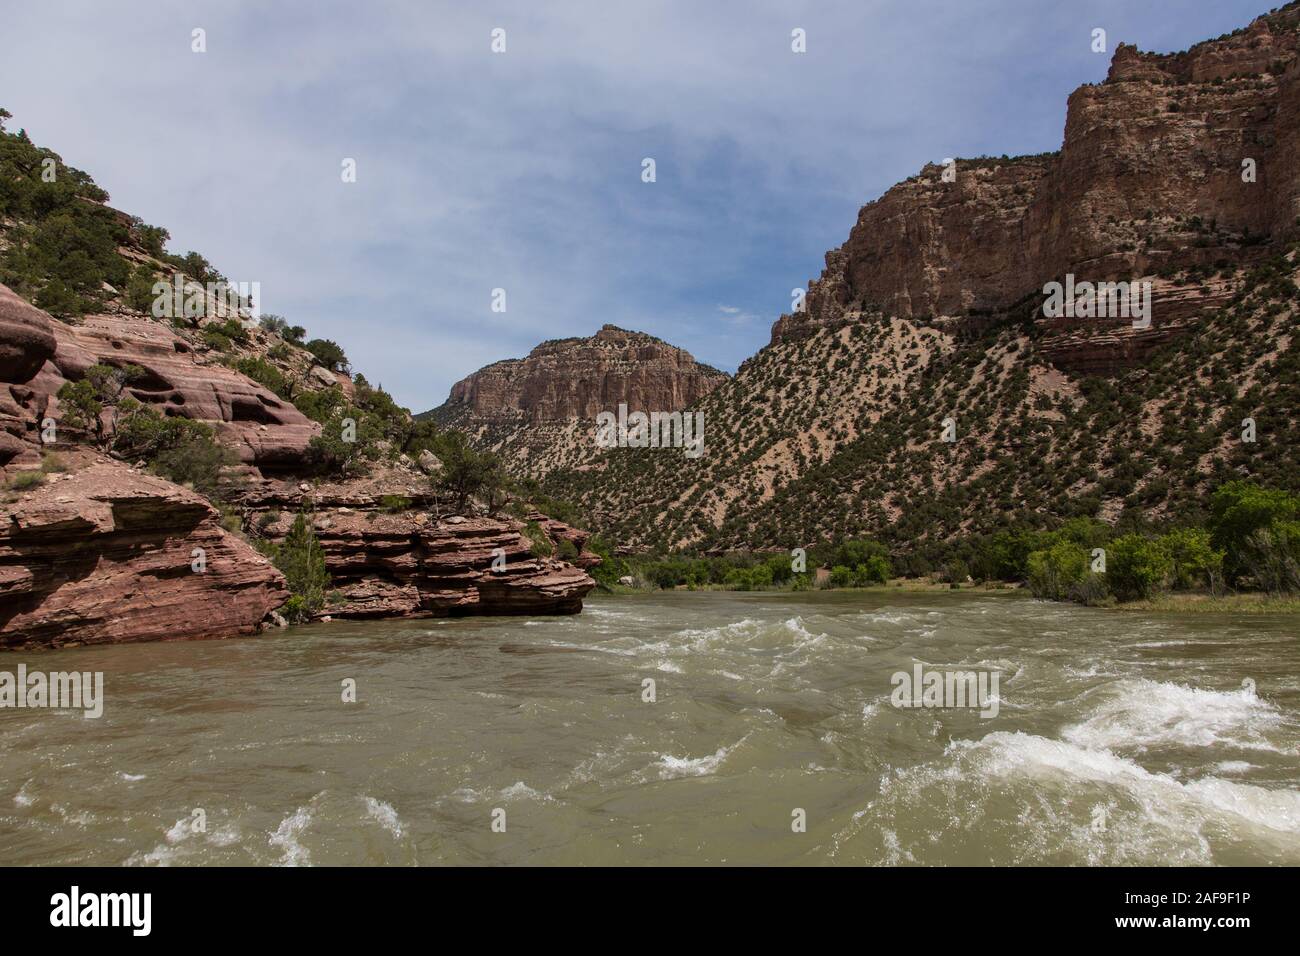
column 264, row 429
column 27, row 344
column 26, row 340
column 39, row 354
column 581, row 377
column 1150, row 174
column 106, row 555
column 558, row 531
column 410, row 562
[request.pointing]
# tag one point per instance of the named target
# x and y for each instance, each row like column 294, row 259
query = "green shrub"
column 295, row 609
column 1056, row 573
column 139, row 290
column 184, row 451
column 541, row 545
column 1136, row 567
column 1239, row 509
column 263, row 373
column 214, row 339
column 1272, row 557
column 1192, row 559
column 101, row 386
column 302, row 562
column 329, row 354
column 467, row 472
column 51, row 462
column 26, row 480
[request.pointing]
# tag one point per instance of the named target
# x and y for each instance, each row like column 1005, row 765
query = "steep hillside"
column 538, row 412
column 931, row 315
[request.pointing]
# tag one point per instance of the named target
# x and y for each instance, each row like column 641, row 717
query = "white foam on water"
column 77, row 818
column 695, row 766
column 286, row 836
column 1091, row 670
column 161, row 855
column 178, row 831
column 130, row 777
column 1019, row 755
column 886, row 616
column 225, row 836
column 701, row 638
column 468, row 795
column 385, row 815
column 894, row 853
column 598, row 649
column 804, row 638
column 521, row 791
column 594, row 611
column 1232, row 766
column 969, row 796
column 1139, row 714
column 22, row 798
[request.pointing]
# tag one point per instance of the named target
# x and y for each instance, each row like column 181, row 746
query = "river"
column 1119, row 738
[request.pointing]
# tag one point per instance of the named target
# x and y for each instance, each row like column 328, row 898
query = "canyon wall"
column 1149, row 178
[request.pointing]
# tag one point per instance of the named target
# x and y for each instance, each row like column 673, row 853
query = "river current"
column 768, row 736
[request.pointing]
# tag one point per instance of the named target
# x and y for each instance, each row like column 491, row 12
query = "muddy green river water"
column 771, row 738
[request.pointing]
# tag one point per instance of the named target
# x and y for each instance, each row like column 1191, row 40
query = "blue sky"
column 522, row 170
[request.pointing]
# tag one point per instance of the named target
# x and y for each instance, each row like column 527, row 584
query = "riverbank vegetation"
column 1249, row 544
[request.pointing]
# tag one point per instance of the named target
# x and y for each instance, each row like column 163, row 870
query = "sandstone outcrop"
column 27, row 344
column 38, row 354
column 390, row 556
column 103, row 553
column 264, row 429
column 107, row 554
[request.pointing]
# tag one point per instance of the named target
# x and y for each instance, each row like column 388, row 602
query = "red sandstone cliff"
column 39, row 353
column 1149, row 177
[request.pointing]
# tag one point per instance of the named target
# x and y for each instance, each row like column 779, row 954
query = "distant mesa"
column 577, row 378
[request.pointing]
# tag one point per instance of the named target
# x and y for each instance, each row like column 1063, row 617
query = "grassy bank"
column 1224, row 603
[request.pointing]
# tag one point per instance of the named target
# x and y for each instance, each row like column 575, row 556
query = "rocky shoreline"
column 102, row 551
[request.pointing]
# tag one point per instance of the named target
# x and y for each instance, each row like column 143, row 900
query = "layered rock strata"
column 109, row 554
